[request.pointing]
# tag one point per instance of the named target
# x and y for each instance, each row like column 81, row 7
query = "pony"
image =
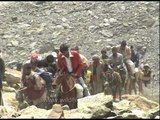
column 123, row 76
column 33, row 88
column 113, row 82
column 68, row 93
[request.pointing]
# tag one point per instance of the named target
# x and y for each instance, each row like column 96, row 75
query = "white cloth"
column 132, row 66
column 79, row 90
column 69, row 64
column 68, row 61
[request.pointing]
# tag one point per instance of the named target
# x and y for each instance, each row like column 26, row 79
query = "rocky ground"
column 96, row 106
column 28, row 27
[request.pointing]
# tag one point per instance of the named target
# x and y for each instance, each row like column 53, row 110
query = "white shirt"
column 68, row 61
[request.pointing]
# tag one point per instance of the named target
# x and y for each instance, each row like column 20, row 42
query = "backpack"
column 47, row 76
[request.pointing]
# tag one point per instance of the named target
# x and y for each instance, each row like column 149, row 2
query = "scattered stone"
column 112, row 20
column 12, row 76
column 15, row 43
column 106, row 33
column 129, row 116
column 14, row 19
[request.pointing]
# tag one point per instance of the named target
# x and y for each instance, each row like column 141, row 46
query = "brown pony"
column 68, row 94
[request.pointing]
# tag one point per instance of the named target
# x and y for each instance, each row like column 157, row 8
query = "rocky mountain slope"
column 27, row 27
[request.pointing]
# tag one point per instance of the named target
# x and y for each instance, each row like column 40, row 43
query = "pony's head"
column 60, row 77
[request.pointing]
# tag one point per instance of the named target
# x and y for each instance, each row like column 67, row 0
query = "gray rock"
column 90, row 101
column 4, row 83
column 33, row 112
column 64, row 19
column 112, row 20
column 14, row 18
column 149, row 22
column 100, row 112
column 8, row 89
column 152, row 113
column 129, row 116
column 115, row 117
column 15, row 43
column 125, row 24
column 12, row 76
column 49, row 46
column 106, row 33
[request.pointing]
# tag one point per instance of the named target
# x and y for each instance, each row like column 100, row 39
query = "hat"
column 54, row 54
column 34, row 56
column 57, row 112
column 146, row 65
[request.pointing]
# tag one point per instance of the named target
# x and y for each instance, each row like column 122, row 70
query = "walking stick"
column 2, row 72
column 1, row 99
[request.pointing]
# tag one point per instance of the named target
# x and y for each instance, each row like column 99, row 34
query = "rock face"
column 12, row 76
column 82, row 23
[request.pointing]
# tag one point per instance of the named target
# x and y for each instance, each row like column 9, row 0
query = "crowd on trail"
column 115, row 74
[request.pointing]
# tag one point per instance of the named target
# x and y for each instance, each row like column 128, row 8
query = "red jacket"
column 76, row 63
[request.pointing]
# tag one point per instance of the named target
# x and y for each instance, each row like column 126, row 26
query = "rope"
column 69, row 90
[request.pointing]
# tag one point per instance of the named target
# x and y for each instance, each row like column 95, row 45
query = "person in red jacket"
column 70, row 61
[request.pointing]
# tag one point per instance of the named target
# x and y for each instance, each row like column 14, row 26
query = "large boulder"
column 9, row 99
column 95, row 106
column 94, row 100
column 33, row 112
column 6, row 111
column 152, row 113
column 101, row 112
column 133, row 106
column 140, row 102
column 12, row 76
column 8, row 89
column 129, row 116
column 4, row 83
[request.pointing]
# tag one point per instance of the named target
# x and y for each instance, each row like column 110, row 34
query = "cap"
column 57, row 111
column 146, row 65
column 34, row 56
column 54, row 54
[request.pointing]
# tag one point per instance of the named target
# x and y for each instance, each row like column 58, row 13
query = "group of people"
column 91, row 76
